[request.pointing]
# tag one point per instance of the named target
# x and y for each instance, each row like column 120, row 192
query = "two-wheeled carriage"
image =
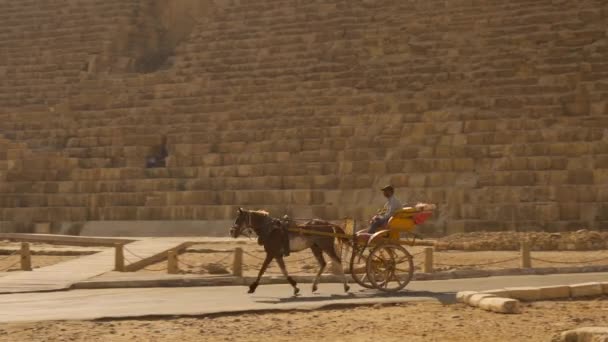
column 380, row 261
column 377, row 261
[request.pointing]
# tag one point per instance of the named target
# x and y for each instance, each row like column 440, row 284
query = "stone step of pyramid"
column 497, row 111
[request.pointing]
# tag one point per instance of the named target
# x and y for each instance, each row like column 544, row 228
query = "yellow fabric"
column 401, row 224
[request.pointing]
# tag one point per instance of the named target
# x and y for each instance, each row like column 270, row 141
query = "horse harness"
column 269, row 226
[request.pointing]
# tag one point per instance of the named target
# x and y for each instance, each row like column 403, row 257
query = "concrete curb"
column 198, row 281
column 459, row 274
column 146, row 283
column 502, row 300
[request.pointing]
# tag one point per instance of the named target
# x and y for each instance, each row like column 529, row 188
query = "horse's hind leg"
column 265, row 264
column 293, row 283
column 331, row 252
column 318, row 254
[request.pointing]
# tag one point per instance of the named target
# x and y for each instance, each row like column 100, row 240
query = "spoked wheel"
column 390, row 267
column 358, row 268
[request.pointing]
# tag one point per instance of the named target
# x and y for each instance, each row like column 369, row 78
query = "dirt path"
column 411, row 322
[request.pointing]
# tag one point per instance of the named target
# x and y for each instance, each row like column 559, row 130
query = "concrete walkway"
column 63, row 275
column 115, row 303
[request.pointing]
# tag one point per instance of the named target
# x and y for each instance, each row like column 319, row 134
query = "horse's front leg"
column 293, row 283
column 265, row 264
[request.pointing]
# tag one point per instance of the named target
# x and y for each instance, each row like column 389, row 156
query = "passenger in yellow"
column 390, row 207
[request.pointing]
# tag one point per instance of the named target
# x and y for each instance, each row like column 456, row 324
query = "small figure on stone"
column 159, row 160
column 390, row 207
column 151, row 162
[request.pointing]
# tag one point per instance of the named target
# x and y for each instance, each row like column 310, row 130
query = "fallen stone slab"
column 586, row 334
column 500, row 305
column 586, row 290
column 489, row 301
column 463, row 296
column 475, row 299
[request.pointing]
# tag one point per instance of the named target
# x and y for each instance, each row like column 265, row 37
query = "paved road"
column 62, row 275
column 115, row 303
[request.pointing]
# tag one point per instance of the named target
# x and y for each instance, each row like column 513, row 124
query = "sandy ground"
column 304, row 263
column 411, row 322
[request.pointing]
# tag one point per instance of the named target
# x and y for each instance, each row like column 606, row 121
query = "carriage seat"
column 406, row 219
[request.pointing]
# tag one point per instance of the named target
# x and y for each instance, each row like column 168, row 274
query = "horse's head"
column 240, row 224
column 248, row 222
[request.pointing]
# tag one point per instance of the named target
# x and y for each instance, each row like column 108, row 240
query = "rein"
column 250, row 229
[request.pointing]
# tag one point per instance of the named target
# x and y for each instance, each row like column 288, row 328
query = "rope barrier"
column 569, row 262
column 219, row 261
column 9, row 255
column 416, row 254
column 480, row 264
column 133, row 254
column 163, row 268
column 252, row 255
column 129, row 261
column 11, row 266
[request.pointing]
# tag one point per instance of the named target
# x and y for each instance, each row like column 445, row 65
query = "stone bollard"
column 237, row 263
column 428, row 260
column 119, row 258
column 26, row 257
column 172, row 267
column 526, row 261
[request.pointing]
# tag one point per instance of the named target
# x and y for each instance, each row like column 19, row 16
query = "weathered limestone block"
column 586, row 290
column 527, row 294
column 500, row 305
column 586, row 334
column 464, row 296
column 475, row 299
column 580, row 176
column 599, row 108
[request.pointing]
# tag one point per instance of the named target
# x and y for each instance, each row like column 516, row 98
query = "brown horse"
column 271, row 236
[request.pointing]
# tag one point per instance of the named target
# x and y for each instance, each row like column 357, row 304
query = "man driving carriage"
column 390, row 207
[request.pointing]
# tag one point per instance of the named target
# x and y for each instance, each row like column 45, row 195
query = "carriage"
column 380, row 261
column 376, row 261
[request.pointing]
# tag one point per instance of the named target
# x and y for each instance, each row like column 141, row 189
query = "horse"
column 271, row 236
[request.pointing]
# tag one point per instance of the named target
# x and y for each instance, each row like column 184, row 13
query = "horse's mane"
column 260, row 212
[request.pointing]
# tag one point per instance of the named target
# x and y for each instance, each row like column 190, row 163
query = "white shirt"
column 390, row 207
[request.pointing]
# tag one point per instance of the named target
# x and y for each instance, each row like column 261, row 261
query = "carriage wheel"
column 390, row 267
column 358, row 266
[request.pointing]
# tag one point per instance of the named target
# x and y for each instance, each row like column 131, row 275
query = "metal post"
column 119, row 258
column 526, row 261
column 237, row 263
column 172, row 267
column 428, row 260
column 26, row 257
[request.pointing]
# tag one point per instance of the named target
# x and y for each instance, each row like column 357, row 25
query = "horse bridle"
column 248, row 230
